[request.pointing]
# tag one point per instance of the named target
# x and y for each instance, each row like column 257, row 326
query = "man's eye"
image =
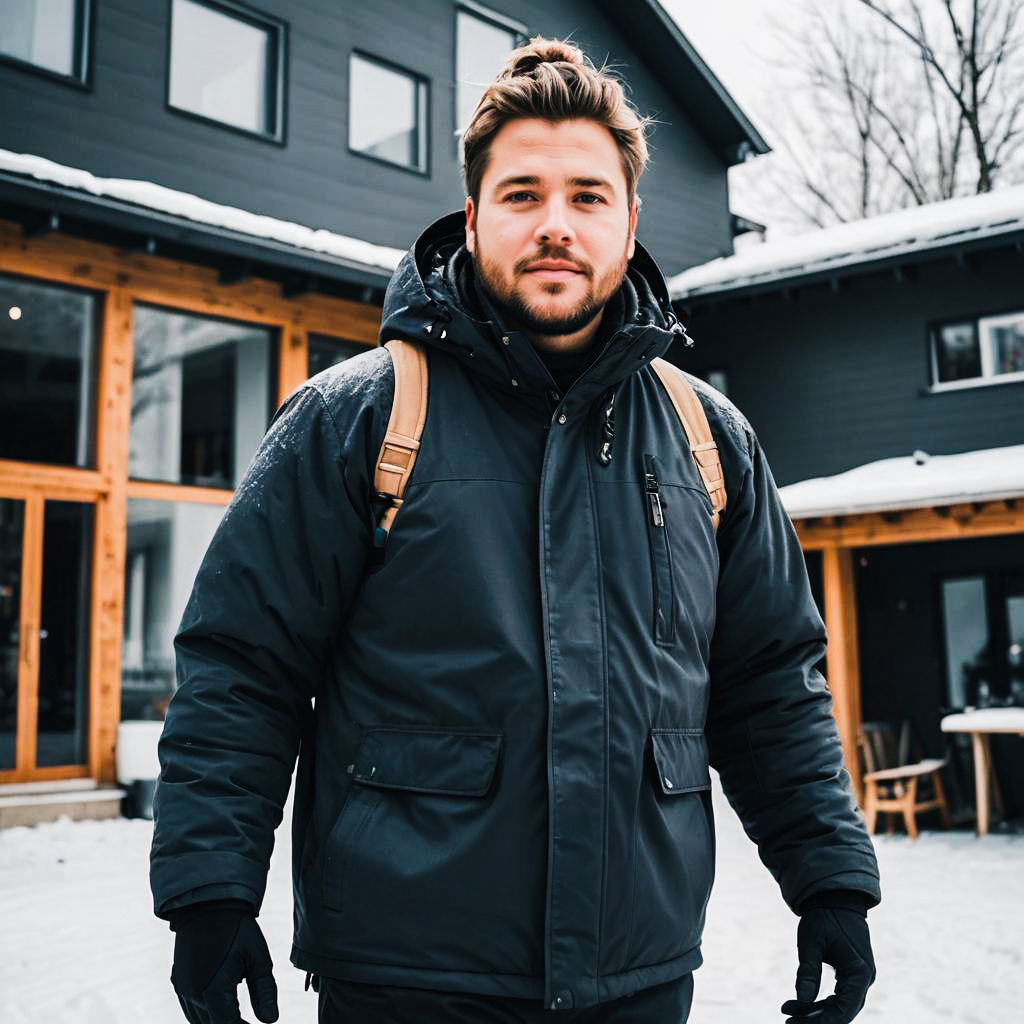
column 590, row 198
column 518, row 197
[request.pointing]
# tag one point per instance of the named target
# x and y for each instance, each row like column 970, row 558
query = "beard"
column 514, row 307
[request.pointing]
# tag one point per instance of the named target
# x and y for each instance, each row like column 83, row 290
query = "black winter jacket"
column 504, row 720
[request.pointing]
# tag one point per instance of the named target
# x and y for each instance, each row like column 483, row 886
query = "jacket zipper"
column 661, row 555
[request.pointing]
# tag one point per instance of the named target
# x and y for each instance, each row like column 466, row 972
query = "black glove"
column 833, row 930
column 216, row 945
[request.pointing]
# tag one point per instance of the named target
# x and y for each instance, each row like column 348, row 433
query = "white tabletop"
column 985, row 720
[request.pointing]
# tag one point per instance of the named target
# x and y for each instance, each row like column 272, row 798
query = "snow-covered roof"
column 891, row 235
column 910, row 481
column 150, row 196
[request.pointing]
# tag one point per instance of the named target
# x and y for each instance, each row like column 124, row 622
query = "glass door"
column 45, row 598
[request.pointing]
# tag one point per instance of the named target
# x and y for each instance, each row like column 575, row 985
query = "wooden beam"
column 944, row 522
column 842, row 660
column 110, row 534
column 185, row 286
column 144, row 490
column 21, row 479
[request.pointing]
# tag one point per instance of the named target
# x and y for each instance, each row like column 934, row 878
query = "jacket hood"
column 427, row 301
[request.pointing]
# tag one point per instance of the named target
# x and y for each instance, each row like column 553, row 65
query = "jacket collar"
column 425, row 302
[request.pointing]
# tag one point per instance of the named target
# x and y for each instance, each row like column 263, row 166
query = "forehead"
column 551, row 151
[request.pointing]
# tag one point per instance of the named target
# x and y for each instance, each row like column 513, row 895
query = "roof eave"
column 145, row 222
column 849, row 267
column 743, row 140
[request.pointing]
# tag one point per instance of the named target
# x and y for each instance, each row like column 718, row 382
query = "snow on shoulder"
column 863, row 241
column 149, row 195
column 911, row 481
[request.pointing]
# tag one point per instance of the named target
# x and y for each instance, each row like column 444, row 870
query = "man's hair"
column 554, row 80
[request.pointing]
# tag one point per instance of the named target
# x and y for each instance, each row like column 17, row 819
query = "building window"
column 47, row 35
column 165, row 544
column 227, row 65
column 325, row 351
column 987, row 350
column 48, row 355
column 201, row 397
column 483, row 41
column 388, row 113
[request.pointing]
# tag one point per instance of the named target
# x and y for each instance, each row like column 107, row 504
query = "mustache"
column 553, row 253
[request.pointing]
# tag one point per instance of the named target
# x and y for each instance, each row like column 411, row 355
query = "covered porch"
column 918, row 562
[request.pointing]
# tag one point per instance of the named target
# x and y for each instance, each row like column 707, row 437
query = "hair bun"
column 539, row 50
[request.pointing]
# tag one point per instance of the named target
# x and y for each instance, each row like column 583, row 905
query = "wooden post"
column 842, row 661
column 110, row 536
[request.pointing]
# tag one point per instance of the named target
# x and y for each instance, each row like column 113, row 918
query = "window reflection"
column 62, row 716
column 201, row 397
column 387, row 113
column 40, row 32
column 223, row 67
column 166, row 544
column 47, row 373
column 481, row 49
column 12, row 528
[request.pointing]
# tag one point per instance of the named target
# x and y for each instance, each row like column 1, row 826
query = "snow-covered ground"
column 79, row 944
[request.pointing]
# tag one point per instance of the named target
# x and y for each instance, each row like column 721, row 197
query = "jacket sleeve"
column 770, row 730
column 255, row 639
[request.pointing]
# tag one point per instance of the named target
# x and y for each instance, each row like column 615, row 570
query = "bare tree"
column 908, row 102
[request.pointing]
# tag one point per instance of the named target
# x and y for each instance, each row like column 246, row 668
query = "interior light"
column 14, row 312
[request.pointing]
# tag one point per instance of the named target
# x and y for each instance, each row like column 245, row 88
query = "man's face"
column 553, row 230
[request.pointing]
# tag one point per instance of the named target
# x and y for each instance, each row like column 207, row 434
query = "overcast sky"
column 738, row 41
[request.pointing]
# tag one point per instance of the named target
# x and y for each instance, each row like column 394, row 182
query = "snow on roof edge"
column 152, row 196
column 856, row 242
column 904, row 482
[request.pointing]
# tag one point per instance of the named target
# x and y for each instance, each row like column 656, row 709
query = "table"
column 981, row 723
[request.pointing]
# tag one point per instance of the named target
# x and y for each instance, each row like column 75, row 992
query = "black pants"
column 346, row 1002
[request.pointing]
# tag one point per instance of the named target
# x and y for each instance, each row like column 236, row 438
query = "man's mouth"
column 554, row 270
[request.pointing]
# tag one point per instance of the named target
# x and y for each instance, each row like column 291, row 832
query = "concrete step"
column 32, row 803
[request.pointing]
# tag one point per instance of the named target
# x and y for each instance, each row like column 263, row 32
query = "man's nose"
column 554, row 226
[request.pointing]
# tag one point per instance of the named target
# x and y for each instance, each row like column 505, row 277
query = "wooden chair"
column 891, row 782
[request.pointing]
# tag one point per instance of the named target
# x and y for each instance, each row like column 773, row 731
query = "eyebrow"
column 532, row 179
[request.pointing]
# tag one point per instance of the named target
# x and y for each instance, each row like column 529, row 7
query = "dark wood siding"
column 833, row 380
column 122, row 127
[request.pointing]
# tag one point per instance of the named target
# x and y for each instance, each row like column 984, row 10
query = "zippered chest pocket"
column 661, row 554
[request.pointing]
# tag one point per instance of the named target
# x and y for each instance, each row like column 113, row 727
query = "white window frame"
column 983, row 332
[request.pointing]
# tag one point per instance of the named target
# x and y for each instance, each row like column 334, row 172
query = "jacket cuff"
column 837, row 899
column 182, row 915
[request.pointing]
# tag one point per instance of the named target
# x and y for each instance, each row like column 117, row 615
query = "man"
column 504, row 716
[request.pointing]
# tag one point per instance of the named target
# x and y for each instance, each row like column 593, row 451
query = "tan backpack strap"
column 405, row 427
column 698, row 432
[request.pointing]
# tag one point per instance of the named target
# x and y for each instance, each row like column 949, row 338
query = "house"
column 882, row 365
column 201, row 202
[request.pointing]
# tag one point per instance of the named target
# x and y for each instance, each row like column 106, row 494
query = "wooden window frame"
column 121, row 278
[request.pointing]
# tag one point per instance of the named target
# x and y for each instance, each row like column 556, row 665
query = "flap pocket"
column 681, row 757
column 425, row 759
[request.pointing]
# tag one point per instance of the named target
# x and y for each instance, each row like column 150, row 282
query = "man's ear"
column 634, row 212
column 470, row 224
